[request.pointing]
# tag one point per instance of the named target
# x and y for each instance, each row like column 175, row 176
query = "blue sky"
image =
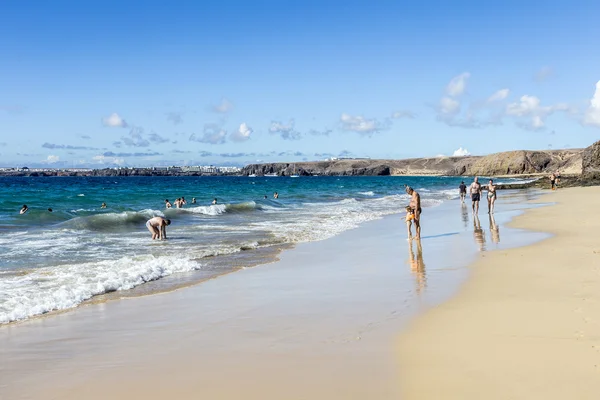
column 232, row 82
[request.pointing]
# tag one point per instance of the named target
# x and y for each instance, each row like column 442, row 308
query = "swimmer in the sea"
column 49, row 210
column 24, row 209
column 103, row 205
column 193, row 200
column 168, row 203
column 275, row 195
column 182, row 201
column 214, row 201
column 265, row 196
column 178, row 203
column 158, row 227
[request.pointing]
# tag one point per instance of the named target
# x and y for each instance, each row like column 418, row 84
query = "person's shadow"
column 465, row 215
column 478, row 233
column 417, row 265
column 494, row 230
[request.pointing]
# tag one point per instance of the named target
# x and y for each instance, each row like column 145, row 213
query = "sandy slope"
column 527, row 325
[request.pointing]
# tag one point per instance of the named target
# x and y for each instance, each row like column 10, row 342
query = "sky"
column 107, row 83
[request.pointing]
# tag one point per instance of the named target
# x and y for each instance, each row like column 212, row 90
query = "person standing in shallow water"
column 491, row 196
column 475, row 191
column 462, row 189
column 415, row 204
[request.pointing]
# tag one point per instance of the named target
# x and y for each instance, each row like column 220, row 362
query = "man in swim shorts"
column 475, row 192
column 462, row 189
column 415, row 204
column 158, row 227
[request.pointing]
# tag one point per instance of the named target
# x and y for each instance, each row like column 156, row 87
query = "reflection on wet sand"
column 478, row 233
column 465, row 215
column 494, row 230
column 417, row 265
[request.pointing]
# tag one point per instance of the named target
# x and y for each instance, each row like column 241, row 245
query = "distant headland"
column 573, row 162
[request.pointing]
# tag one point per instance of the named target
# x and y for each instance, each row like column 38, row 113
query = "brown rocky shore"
column 520, row 162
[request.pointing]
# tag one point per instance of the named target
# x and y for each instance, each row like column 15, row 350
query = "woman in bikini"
column 491, row 196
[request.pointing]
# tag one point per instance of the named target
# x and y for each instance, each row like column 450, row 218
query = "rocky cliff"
column 591, row 161
column 507, row 163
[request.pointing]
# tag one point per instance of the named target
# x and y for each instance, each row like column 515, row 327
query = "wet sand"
column 319, row 323
column 526, row 325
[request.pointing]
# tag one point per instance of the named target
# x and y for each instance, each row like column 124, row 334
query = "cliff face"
column 508, row 163
column 525, row 162
column 591, row 161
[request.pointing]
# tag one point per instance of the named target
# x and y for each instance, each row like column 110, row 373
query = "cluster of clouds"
column 527, row 111
column 454, row 108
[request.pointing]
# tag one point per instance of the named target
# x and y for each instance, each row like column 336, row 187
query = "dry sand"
column 527, row 323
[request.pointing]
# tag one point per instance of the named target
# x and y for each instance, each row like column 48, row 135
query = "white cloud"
column 285, row 131
column 360, row 124
column 114, row 120
column 592, row 114
column 457, row 85
column 449, row 107
column 403, row 114
column 460, row 152
column 224, row 107
column 212, row 134
column 530, row 113
column 242, row 134
column 101, row 159
column 499, row 95
column 51, row 159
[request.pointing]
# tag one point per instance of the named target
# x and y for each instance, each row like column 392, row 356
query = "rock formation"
column 591, row 161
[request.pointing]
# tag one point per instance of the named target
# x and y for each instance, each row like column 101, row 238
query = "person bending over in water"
column 158, row 227
column 410, row 216
column 462, row 189
column 214, row 201
column 415, row 205
column 24, row 209
column 168, row 203
column 491, row 196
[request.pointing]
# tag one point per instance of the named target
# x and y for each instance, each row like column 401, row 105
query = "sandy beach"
column 319, row 323
column 525, row 325
column 322, row 322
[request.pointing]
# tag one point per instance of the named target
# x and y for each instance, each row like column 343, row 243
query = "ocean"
column 80, row 251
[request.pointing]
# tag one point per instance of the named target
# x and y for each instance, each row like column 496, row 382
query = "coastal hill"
column 506, row 163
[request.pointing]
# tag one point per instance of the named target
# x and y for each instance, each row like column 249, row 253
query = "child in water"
column 410, row 216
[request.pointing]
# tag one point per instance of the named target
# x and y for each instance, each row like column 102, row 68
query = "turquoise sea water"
column 56, row 260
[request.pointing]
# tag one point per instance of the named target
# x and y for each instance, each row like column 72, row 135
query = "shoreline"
column 325, row 315
column 524, row 325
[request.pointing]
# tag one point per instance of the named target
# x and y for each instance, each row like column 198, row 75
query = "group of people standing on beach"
column 476, row 193
column 413, row 210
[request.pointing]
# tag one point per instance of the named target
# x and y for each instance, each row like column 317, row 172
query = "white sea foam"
column 57, row 288
column 369, row 193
